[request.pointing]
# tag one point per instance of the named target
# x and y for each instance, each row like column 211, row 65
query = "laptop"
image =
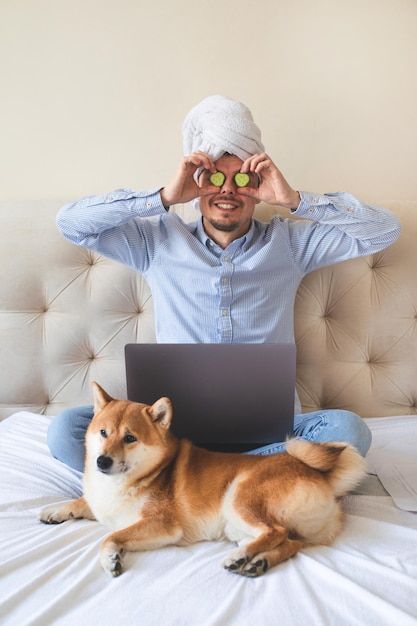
column 229, row 397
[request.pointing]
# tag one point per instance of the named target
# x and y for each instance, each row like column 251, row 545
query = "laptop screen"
column 227, row 396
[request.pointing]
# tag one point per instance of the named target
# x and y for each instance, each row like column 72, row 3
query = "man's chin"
column 225, row 226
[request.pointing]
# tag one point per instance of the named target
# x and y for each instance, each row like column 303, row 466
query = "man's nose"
column 229, row 186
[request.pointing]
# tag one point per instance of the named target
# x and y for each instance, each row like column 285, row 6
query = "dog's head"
column 127, row 437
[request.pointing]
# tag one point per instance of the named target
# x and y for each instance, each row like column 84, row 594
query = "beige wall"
column 93, row 92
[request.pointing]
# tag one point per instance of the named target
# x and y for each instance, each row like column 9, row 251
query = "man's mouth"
column 225, row 206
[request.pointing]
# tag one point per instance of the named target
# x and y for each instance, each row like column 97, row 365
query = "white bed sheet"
column 52, row 575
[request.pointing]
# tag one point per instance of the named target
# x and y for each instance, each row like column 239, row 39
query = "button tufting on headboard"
column 66, row 314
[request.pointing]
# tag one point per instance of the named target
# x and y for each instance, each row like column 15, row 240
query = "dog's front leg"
column 144, row 535
column 55, row 514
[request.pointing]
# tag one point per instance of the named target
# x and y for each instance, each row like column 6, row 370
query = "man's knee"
column 66, row 436
column 337, row 425
column 356, row 431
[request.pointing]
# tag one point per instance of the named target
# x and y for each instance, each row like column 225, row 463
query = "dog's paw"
column 52, row 515
column 238, row 563
column 256, row 567
column 111, row 559
column 235, row 565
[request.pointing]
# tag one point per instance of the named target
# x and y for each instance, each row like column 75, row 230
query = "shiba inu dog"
column 154, row 490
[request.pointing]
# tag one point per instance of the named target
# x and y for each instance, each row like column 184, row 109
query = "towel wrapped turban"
column 218, row 125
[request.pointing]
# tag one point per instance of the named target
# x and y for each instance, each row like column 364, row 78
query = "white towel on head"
column 219, row 124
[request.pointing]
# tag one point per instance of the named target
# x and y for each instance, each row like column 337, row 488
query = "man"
column 225, row 278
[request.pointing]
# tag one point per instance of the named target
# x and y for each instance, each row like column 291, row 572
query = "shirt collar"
column 241, row 242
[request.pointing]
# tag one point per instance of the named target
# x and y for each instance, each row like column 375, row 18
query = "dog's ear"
column 161, row 412
column 101, row 398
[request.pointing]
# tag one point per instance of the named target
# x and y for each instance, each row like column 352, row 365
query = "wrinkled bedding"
column 52, row 574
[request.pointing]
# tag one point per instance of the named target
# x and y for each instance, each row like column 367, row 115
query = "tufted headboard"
column 66, row 314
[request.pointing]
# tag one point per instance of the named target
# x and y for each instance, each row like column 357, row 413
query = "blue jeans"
column 66, row 433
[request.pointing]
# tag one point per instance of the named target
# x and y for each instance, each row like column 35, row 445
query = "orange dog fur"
column 154, row 490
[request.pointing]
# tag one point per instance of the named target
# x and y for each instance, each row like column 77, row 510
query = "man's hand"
column 183, row 187
column 273, row 187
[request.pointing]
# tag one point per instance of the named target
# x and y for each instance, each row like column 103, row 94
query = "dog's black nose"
column 104, row 462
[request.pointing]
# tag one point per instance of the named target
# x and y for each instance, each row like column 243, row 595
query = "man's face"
column 226, row 211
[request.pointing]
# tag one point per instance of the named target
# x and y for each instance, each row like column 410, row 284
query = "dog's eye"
column 103, row 433
column 129, row 438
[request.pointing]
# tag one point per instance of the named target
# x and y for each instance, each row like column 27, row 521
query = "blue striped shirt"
column 242, row 294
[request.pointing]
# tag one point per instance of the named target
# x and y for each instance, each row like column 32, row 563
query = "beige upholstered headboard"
column 66, row 314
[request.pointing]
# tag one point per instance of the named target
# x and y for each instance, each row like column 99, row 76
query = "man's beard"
column 226, row 227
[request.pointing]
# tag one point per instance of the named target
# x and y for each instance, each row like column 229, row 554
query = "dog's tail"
column 344, row 466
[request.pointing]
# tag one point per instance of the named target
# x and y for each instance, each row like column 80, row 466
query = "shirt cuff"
column 311, row 204
column 146, row 203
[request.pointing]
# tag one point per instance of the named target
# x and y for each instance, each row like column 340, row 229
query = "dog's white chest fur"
column 112, row 503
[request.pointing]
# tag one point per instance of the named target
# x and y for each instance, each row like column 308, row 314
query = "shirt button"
column 225, row 312
column 226, row 259
column 225, row 281
column 148, row 204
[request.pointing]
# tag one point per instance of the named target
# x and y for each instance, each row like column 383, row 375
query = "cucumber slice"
column 241, row 179
column 217, row 179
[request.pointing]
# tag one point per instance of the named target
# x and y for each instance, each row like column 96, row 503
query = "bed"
column 66, row 315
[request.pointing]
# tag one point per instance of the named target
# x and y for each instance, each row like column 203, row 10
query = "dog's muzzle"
column 104, row 463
